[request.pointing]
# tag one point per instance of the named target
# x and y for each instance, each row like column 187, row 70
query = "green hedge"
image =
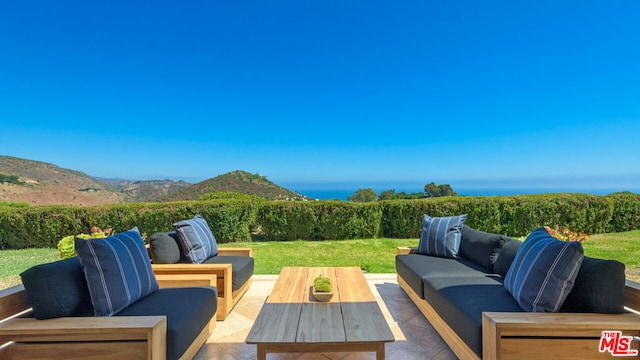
column 247, row 220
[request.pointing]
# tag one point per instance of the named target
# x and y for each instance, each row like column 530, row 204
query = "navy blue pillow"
column 57, row 289
column 440, row 236
column 117, row 269
column 543, row 271
column 198, row 243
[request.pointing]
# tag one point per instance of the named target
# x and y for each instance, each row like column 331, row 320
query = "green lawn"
column 372, row 255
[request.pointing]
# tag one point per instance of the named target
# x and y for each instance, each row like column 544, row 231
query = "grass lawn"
column 372, row 255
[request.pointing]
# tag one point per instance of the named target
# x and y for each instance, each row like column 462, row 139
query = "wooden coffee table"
column 292, row 321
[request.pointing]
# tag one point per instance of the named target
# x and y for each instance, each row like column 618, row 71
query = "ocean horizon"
column 342, row 193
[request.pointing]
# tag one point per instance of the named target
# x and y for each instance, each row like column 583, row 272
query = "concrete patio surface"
column 415, row 338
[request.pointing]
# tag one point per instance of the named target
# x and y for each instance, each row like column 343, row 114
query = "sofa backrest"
column 57, row 289
column 481, row 247
column 598, row 288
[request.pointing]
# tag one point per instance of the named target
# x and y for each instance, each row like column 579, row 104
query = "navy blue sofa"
column 458, row 295
column 170, row 323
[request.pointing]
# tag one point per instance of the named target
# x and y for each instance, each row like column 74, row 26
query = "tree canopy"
column 363, row 195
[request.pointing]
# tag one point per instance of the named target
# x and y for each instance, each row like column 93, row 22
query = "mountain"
column 43, row 183
column 236, row 181
column 144, row 190
column 40, row 183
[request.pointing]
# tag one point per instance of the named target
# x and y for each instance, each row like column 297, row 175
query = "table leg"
column 262, row 352
column 380, row 351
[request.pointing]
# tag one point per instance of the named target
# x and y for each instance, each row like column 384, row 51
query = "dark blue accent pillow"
column 543, row 271
column 198, row 243
column 117, row 269
column 440, row 236
column 57, row 289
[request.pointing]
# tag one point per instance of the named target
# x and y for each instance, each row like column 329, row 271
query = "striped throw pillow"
column 441, row 236
column 198, row 243
column 117, row 269
column 543, row 271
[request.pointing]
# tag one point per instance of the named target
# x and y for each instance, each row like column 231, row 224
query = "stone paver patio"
column 415, row 337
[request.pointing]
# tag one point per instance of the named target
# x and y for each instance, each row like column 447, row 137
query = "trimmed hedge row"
column 247, row 220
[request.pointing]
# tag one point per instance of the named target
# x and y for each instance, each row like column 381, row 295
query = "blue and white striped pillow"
column 117, row 269
column 198, row 243
column 441, row 236
column 543, row 271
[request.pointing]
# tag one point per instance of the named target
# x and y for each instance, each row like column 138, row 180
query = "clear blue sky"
column 471, row 93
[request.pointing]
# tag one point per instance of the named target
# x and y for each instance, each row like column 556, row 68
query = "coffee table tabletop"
column 291, row 320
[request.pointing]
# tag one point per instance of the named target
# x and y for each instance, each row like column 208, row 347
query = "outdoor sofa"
column 179, row 259
column 103, row 303
column 464, row 298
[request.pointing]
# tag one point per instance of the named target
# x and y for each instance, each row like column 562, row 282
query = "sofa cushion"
column 198, row 243
column 165, row 248
column 57, row 289
column 188, row 311
column 440, row 236
column 543, row 271
column 460, row 301
column 117, row 270
column 505, row 257
column 598, row 288
column 414, row 268
column 481, row 247
column 241, row 268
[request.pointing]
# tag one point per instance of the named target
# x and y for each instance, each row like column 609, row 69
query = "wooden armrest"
column 404, row 250
column 182, row 280
column 560, row 335
column 561, row 324
column 218, row 269
column 235, row 252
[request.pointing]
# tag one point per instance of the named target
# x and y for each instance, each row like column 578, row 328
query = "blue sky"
column 310, row 93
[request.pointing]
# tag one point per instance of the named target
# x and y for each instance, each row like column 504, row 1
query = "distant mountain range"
column 43, row 183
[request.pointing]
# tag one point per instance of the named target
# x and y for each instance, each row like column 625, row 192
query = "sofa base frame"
column 509, row 335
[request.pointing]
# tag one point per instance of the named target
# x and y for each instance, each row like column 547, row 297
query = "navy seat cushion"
column 241, row 268
column 414, row 268
column 188, row 311
column 460, row 302
column 480, row 246
column 57, row 289
column 605, row 275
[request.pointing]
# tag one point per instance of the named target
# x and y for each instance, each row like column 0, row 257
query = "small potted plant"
column 322, row 290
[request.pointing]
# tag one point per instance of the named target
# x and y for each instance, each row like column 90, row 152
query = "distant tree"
column 404, row 196
column 363, row 195
column 433, row 190
column 10, row 179
column 387, row 195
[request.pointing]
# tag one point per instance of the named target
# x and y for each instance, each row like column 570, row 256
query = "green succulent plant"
column 322, row 284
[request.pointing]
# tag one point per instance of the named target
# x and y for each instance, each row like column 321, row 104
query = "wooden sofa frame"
column 509, row 335
column 118, row 337
column 172, row 275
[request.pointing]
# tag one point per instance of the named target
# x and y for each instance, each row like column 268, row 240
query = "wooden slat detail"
column 543, row 349
column 83, row 350
column 364, row 322
column 352, row 285
column 278, row 319
column 320, row 322
column 289, row 287
column 235, row 252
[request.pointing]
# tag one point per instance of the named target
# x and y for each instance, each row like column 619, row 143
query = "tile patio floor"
column 415, row 338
